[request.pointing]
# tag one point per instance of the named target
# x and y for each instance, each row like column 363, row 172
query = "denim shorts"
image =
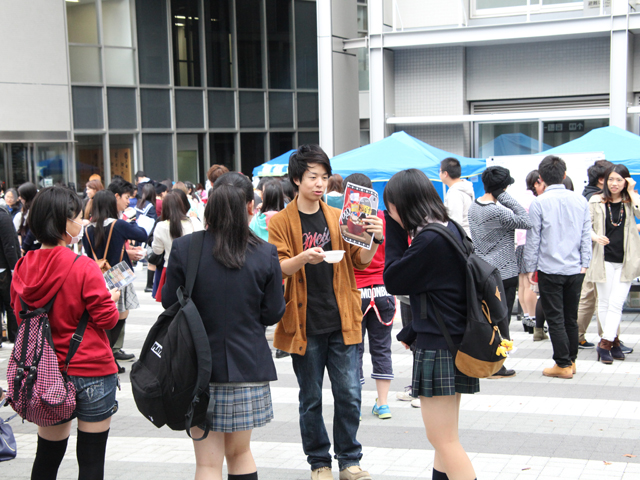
column 95, row 397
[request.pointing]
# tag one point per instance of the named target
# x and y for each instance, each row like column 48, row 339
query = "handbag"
column 154, row 258
column 8, row 447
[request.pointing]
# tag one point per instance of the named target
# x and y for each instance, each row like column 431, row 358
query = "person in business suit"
column 238, row 291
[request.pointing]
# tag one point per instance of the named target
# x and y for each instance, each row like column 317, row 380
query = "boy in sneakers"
column 322, row 325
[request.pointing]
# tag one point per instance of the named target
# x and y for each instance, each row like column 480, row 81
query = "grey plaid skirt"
column 435, row 375
column 240, row 408
column 128, row 299
column 520, row 259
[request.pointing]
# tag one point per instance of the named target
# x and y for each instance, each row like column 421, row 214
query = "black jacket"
column 235, row 306
column 9, row 243
column 430, row 265
column 122, row 232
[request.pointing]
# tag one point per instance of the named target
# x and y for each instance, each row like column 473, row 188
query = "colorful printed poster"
column 119, row 276
column 359, row 202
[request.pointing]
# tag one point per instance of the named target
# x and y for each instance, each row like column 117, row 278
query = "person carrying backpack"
column 75, row 284
column 433, row 266
column 237, row 291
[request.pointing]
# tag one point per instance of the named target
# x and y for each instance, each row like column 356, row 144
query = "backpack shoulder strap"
column 195, row 250
column 95, row 257
column 106, row 247
column 77, row 336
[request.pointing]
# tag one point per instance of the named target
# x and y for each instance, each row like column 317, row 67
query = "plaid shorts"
column 240, row 408
column 435, row 375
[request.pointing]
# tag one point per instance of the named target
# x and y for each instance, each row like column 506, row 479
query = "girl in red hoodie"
column 55, row 219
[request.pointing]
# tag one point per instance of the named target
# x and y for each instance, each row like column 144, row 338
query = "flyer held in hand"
column 359, row 202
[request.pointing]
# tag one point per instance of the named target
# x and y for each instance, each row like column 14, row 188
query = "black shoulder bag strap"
column 195, row 250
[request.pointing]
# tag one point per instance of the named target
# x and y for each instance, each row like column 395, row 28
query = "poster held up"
column 359, row 202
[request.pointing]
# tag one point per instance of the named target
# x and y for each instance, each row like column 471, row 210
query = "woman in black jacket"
column 430, row 266
column 238, row 291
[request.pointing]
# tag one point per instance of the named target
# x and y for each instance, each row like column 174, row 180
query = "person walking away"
column 9, row 255
column 378, row 310
column 76, row 284
column 321, row 327
column 146, row 217
column 272, row 203
column 335, row 191
column 175, row 223
column 105, row 224
column 430, row 266
column 238, row 291
column 493, row 229
column 526, row 296
column 460, row 193
column 91, row 188
column 26, row 194
column 616, row 254
column 559, row 249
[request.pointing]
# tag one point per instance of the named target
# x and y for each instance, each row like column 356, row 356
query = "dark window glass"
column 189, row 109
column 249, row 39
column 280, row 110
column 157, row 149
column 121, row 156
column 217, row 29
column 280, row 142
column 279, row 43
column 121, row 105
column 155, row 108
column 185, row 25
column 222, row 147
column 252, row 151
column 87, row 107
column 89, row 158
column 306, row 45
column 190, row 157
column 308, row 138
column 222, row 112
column 251, row 110
column 153, row 41
column 307, row 110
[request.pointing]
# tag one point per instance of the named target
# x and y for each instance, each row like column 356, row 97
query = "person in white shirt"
column 459, row 195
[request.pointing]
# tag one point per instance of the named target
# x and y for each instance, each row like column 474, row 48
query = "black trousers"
column 560, row 296
column 5, row 304
column 510, row 287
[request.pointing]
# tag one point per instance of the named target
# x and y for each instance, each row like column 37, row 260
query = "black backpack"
column 170, row 381
column 479, row 355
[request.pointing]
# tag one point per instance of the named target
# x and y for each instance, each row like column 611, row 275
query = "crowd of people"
column 263, row 264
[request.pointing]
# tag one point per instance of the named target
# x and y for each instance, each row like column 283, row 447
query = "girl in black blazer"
column 238, row 291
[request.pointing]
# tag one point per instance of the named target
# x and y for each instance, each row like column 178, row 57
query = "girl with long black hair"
column 431, row 266
column 26, row 193
column 238, row 291
column 272, row 203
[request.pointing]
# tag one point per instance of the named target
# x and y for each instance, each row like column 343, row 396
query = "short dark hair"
column 358, row 179
column 50, row 210
column 597, row 171
column 532, row 178
column 568, row 183
column 120, row 187
column 140, row 174
column 415, row 199
column 160, row 188
column 552, row 170
column 623, row 171
column 304, row 156
column 452, row 167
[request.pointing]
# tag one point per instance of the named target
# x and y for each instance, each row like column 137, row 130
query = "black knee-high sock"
column 90, row 450
column 437, row 475
column 246, row 476
column 150, row 274
column 48, row 457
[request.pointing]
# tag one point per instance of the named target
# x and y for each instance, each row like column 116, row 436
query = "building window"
column 252, row 151
column 306, row 45
column 488, row 8
column 121, row 153
column 153, row 42
column 508, row 139
column 249, row 32
column 279, row 40
column 280, row 142
column 363, row 53
column 89, row 158
column 121, row 105
column 155, row 108
column 116, row 23
column 217, row 30
column 308, row 138
column 222, row 109
column 555, row 133
column 190, row 158
column 119, row 66
column 87, row 108
column 280, row 110
column 82, row 22
column 308, row 110
column 84, row 64
column 252, row 110
column 222, row 148
column 185, row 29
column 189, row 109
column 157, row 149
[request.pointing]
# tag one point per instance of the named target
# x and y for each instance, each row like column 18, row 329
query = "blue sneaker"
column 381, row 411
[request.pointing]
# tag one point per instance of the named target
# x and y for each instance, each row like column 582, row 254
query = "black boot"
column 149, row 287
column 616, row 350
column 604, row 351
column 90, row 451
column 49, row 455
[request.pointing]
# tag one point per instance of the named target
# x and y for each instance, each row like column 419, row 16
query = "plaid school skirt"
column 128, row 299
column 240, row 408
column 435, row 375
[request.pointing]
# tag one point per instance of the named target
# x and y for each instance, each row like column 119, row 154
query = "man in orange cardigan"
column 321, row 327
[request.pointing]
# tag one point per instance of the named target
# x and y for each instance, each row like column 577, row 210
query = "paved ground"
column 529, row 427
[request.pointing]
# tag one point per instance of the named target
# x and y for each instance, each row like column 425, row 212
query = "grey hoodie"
column 458, row 200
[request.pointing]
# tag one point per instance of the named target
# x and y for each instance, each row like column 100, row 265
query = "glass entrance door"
column 44, row 164
column 19, row 161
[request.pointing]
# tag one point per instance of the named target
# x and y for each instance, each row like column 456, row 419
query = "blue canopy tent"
column 511, row 144
column 275, row 167
column 382, row 159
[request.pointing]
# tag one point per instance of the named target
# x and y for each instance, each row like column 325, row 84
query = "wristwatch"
column 378, row 242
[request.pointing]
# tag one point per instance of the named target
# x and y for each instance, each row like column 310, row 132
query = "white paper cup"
column 333, row 256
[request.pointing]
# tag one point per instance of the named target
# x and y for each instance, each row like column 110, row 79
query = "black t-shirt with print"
column 323, row 315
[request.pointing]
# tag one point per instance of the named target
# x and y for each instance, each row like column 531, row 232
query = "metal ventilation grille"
column 541, row 106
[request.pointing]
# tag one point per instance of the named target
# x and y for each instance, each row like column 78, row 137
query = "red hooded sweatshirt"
column 78, row 285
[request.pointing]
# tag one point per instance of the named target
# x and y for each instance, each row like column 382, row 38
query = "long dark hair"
column 104, row 206
column 228, row 221
column 272, row 197
column 533, row 177
column 148, row 195
column 624, row 173
column 415, row 199
column 28, row 192
column 174, row 210
column 183, row 197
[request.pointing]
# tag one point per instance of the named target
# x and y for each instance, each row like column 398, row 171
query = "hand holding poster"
column 119, row 276
column 359, row 202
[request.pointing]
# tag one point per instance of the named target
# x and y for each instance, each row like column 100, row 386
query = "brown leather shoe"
column 558, row 372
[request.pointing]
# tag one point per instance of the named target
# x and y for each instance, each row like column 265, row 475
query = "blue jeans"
column 341, row 361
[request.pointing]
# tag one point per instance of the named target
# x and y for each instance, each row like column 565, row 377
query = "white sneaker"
column 406, row 395
column 415, row 403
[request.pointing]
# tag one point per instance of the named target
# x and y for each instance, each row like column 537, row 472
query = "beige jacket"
column 631, row 265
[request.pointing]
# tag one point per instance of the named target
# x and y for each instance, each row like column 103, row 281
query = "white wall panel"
column 34, row 107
